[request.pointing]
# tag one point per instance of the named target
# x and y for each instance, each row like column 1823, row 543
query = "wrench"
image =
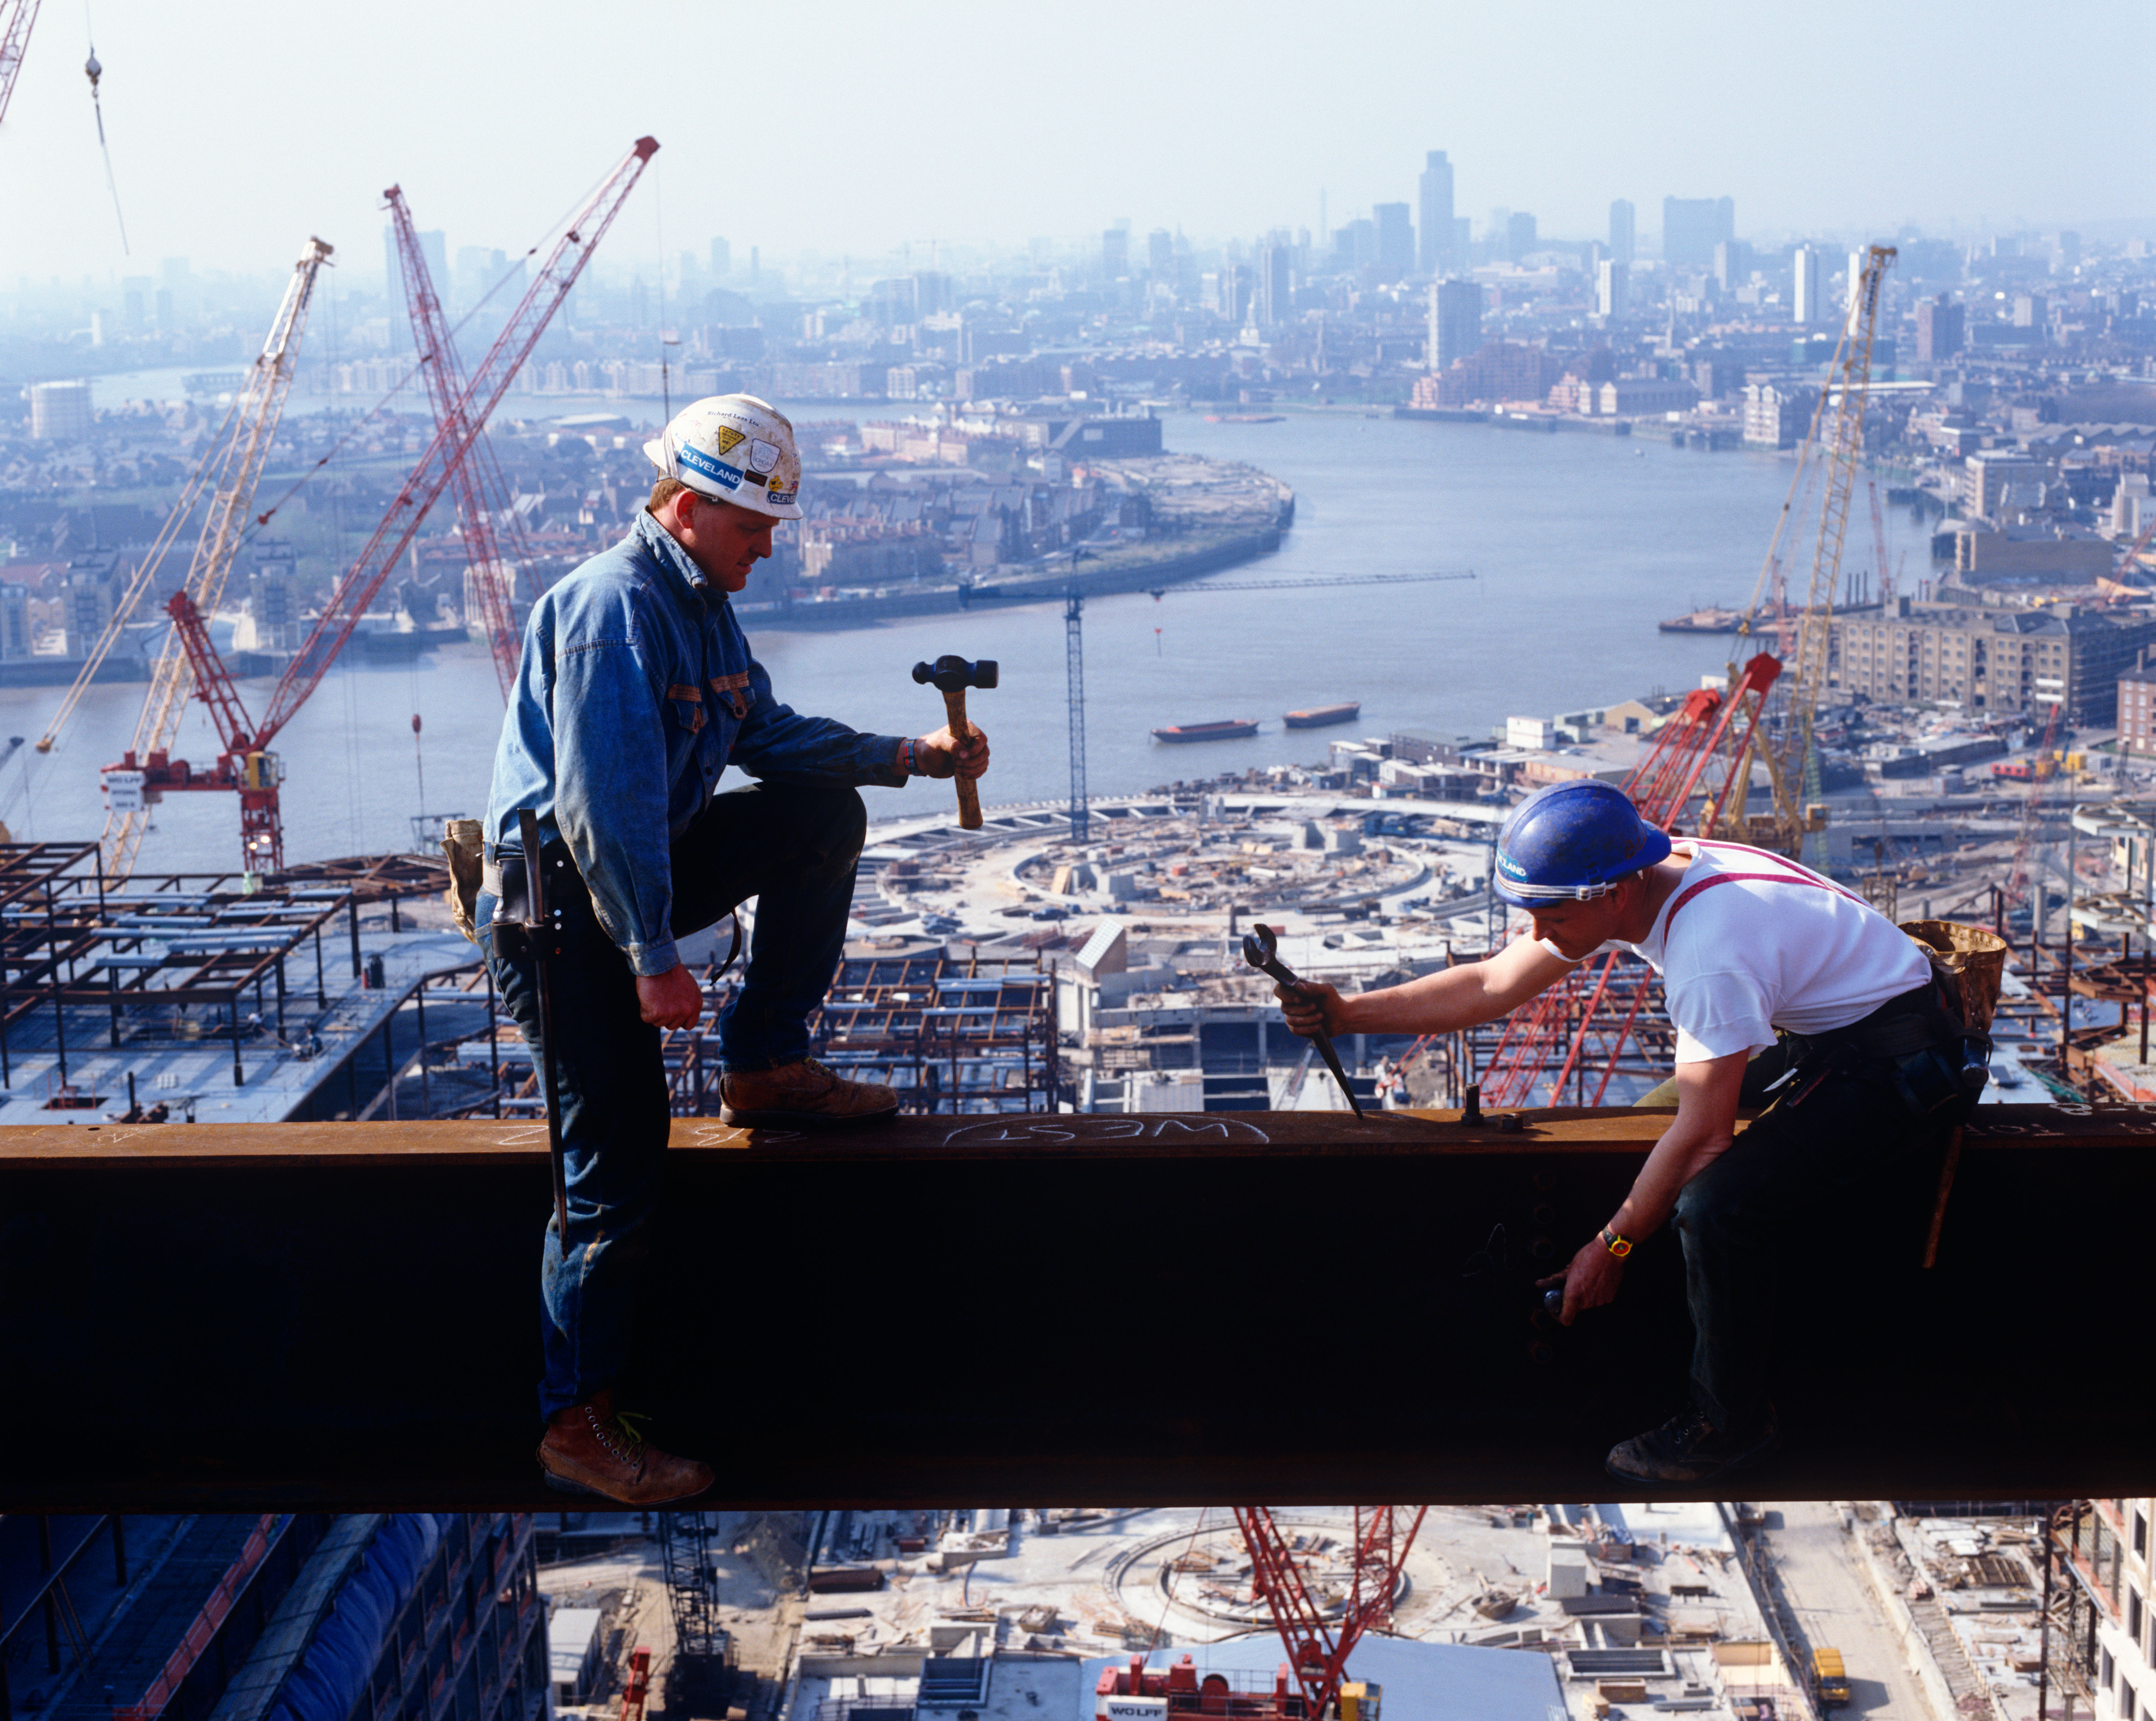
column 1261, row 951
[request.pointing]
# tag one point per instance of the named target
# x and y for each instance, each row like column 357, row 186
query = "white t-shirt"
column 1773, row 945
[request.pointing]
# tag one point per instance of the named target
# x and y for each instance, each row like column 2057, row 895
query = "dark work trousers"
column 1795, row 1162
column 794, row 848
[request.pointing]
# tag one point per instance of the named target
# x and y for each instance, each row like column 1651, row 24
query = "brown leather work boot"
column 589, row 1449
column 805, row 1092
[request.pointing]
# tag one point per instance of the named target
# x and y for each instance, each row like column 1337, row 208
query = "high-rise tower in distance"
column 1434, row 255
column 1455, row 323
column 1804, row 298
column 1622, row 221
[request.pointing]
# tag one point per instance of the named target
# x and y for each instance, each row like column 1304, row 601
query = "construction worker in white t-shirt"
column 1786, row 991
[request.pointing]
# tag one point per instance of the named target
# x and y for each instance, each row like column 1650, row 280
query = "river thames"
column 1579, row 543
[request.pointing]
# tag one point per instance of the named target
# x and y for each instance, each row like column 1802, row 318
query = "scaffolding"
column 975, row 1034
column 170, row 957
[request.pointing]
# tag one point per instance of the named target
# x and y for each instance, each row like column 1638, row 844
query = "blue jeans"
column 1784, row 1178
column 793, row 847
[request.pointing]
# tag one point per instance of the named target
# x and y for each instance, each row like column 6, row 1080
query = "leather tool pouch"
column 465, row 847
column 512, row 909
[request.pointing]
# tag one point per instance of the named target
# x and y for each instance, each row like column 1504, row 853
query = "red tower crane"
column 1317, row 1648
column 246, row 763
column 493, row 540
column 1586, row 1022
column 16, row 17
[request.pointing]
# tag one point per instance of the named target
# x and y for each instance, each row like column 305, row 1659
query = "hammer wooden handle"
column 969, row 794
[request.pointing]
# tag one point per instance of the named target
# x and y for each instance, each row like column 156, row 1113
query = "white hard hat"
column 733, row 448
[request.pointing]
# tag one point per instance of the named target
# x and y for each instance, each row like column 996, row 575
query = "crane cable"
column 93, row 71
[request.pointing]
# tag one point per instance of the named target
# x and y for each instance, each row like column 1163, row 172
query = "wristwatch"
column 1618, row 1246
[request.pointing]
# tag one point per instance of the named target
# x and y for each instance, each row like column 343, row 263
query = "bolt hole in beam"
column 1172, row 1308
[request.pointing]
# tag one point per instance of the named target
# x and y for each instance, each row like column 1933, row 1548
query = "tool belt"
column 505, row 874
column 1922, row 1041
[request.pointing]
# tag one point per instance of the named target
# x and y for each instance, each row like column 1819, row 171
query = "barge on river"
column 1232, row 729
column 1319, row 716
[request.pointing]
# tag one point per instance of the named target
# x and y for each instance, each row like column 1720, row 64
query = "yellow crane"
column 227, row 473
column 1832, row 452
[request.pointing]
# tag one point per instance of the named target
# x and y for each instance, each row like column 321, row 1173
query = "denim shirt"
column 636, row 690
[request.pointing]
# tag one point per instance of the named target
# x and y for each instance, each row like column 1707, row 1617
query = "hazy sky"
column 237, row 128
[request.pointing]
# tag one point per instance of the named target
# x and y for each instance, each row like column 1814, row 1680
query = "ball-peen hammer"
column 951, row 676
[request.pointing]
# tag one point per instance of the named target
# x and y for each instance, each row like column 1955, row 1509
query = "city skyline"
column 495, row 132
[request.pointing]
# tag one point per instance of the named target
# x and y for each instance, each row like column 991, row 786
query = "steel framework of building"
column 72, row 940
column 246, row 764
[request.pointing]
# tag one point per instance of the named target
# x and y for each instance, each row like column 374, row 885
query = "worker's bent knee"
column 841, row 820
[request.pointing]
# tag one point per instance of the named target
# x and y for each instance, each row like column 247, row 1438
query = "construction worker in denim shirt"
column 636, row 691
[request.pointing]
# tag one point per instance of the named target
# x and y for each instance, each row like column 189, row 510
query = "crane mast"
column 483, row 498
column 363, row 579
column 16, row 17
column 232, row 479
column 245, row 763
column 1836, row 441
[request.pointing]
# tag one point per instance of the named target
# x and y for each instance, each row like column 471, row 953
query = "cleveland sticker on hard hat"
column 697, row 460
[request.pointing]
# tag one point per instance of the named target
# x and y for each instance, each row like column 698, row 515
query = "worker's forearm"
column 1684, row 1151
column 1434, row 1004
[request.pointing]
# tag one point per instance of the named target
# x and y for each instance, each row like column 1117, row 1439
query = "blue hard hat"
column 1572, row 842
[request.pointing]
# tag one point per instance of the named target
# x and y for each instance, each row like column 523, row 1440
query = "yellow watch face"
column 1618, row 1246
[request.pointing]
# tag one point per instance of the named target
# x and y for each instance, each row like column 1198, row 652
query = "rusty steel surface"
column 1215, row 1307
column 1183, row 1134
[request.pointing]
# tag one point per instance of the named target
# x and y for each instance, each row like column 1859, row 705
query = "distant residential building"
column 1519, row 235
column 59, row 411
column 1434, row 188
column 1455, row 323
column 1775, row 418
column 1115, row 253
column 1997, row 662
column 2031, row 310
column 1732, row 264
column 1939, row 330
column 2137, row 710
column 1716, row 374
column 1160, row 255
column 1985, row 476
column 1501, row 370
column 1396, row 247
column 1623, row 223
column 2056, row 556
column 2133, row 507
column 1612, row 279
column 1692, row 227
column 1804, row 283
column 1354, row 244
column 1275, row 303
column 1630, row 397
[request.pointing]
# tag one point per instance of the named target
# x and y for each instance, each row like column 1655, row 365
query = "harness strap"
column 1689, row 892
column 1888, row 1031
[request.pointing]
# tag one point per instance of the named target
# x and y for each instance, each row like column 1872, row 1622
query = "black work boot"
column 1688, row 1448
